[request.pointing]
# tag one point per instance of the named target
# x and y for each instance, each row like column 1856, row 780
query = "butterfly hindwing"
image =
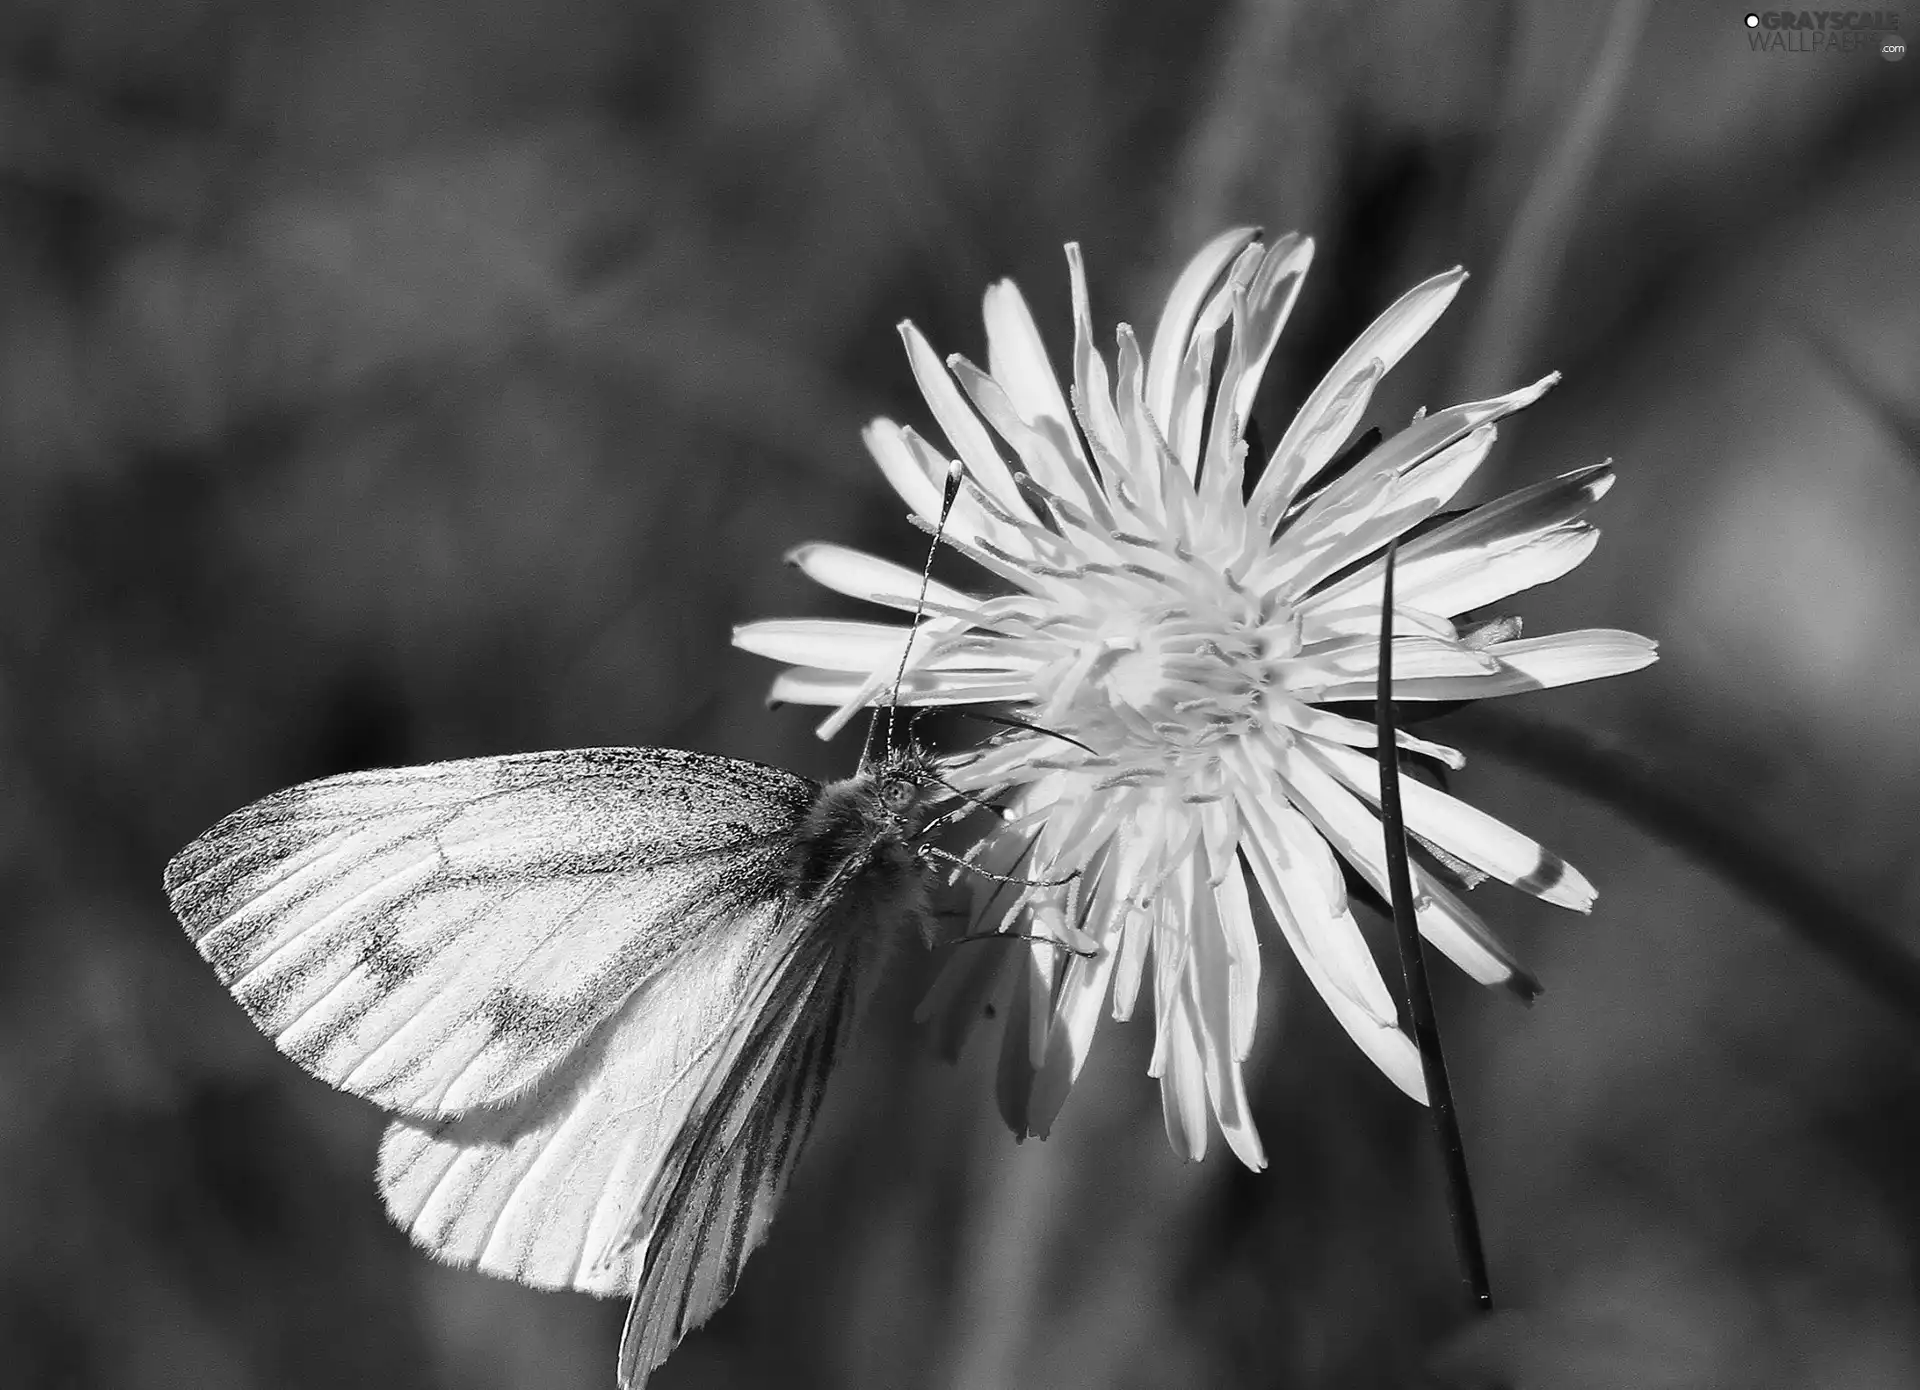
column 439, row 938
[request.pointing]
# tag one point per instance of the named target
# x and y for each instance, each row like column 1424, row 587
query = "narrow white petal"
column 1017, row 359
column 860, row 575
column 1523, row 512
column 1039, row 455
column 1308, row 444
column 1385, row 1045
column 1183, row 1084
column 1076, row 1013
column 959, row 423
column 1585, row 654
column 1532, row 663
column 887, row 442
column 1320, row 623
column 1317, row 925
column 1092, row 392
column 1362, row 512
column 1355, row 832
column 1333, row 423
column 970, row 520
column 807, row 686
column 1243, row 951
column 1342, row 666
column 1466, row 940
column 1436, row 431
column 1175, row 329
column 1462, row 829
column 1145, row 460
column 851, row 693
column 1270, row 301
column 1475, row 585
column 829, row 644
column 1313, row 722
column 1141, row 848
column 1223, row 430
column 1258, row 319
column 1467, row 577
column 1191, row 388
column 1211, row 987
column 804, row 686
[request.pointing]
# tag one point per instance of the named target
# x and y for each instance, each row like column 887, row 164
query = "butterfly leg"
column 934, row 852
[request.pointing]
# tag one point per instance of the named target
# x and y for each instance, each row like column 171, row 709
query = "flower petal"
column 1320, row 670
column 1092, row 393
column 1324, row 422
column 1212, row 988
column 887, row 442
column 1294, row 863
column 826, row 643
column 1327, row 624
column 1458, row 581
column 1143, row 853
column 1531, row 663
column 1459, row 828
column 1175, row 328
column 1485, row 536
column 1269, row 303
column 1076, row 1013
column 959, row 423
column 1385, row 1045
column 1311, row 721
column 860, row 575
column 1366, row 509
column 1017, row 359
column 1064, row 474
column 1183, row 1085
column 1355, row 833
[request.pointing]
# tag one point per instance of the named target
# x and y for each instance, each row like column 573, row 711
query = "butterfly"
column 599, row 990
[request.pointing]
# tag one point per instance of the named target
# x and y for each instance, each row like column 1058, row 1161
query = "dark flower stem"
column 1703, row 829
column 1413, row 965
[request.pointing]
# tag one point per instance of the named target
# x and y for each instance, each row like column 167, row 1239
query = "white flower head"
column 1182, row 635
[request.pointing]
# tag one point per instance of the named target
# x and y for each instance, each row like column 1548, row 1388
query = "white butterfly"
column 601, row 990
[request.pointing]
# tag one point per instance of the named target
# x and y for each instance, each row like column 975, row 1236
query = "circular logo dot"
column 1753, row 21
column 1892, row 49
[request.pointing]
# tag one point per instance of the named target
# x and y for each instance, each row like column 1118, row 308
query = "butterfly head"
column 870, row 821
column 905, row 783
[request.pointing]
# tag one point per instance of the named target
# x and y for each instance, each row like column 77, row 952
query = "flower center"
column 1180, row 678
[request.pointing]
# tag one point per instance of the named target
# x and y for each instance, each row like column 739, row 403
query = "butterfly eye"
column 899, row 795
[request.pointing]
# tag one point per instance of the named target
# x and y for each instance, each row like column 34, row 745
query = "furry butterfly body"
column 600, row 990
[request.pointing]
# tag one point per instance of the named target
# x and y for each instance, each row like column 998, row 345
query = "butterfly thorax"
column 863, row 829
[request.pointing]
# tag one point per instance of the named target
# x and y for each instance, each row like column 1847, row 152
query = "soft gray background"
column 393, row 381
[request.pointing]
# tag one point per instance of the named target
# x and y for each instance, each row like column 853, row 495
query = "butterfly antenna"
column 934, row 852
column 1007, row 721
column 866, row 744
column 968, row 797
column 947, row 497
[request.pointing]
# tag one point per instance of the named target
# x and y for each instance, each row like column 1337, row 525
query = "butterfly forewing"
column 441, row 937
column 541, row 1190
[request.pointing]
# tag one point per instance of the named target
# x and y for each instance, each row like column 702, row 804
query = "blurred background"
column 402, row 380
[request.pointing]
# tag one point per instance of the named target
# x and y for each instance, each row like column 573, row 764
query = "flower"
column 1180, row 641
